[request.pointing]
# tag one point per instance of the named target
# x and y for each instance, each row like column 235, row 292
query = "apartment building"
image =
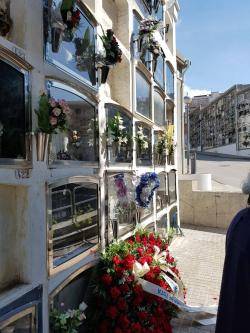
column 59, row 196
column 222, row 124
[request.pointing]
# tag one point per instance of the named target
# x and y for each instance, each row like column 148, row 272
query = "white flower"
column 57, row 111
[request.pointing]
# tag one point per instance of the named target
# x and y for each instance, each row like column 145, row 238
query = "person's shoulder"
column 240, row 226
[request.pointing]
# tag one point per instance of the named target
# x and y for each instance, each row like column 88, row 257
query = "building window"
column 159, row 72
column 121, row 205
column 159, row 109
column 143, row 95
column 73, row 219
column 72, row 51
column 161, row 196
column 172, row 195
column 120, row 135
column 80, row 141
column 23, row 322
column 143, row 144
column 14, row 112
column 158, row 10
column 170, row 81
column 77, row 291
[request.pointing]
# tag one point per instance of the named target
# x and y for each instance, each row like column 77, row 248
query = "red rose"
column 156, row 270
column 122, row 305
column 115, row 292
column 140, row 251
column 136, row 328
column 137, row 238
column 138, row 300
column 111, row 312
column 124, row 321
column 116, row 260
column 138, row 289
column 124, row 288
column 118, row 330
column 129, row 261
column 106, row 279
column 143, row 315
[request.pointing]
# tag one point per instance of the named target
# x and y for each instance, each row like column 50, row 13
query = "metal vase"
column 42, row 143
column 105, row 73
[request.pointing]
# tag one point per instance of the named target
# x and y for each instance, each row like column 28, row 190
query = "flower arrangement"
column 113, row 53
column 141, row 140
column 52, row 115
column 117, row 130
column 71, row 18
column 122, row 305
column 149, row 182
column 68, row 321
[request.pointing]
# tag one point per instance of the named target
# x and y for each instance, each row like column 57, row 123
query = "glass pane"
column 144, row 155
column 159, row 109
column 161, row 197
column 12, row 112
column 77, row 291
column 74, row 221
column 162, row 226
column 159, row 72
column 170, row 81
column 159, row 12
column 80, row 142
column 122, row 208
column 143, row 101
column 22, row 325
column 172, row 187
column 76, row 50
column 120, row 152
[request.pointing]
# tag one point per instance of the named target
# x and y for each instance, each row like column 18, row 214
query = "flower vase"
column 56, row 36
column 116, row 149
column 104, row 74
column 42, row 143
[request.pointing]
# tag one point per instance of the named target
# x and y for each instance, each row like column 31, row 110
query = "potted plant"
column 112, row 55
column 5, row 20
column 68, row 321
column 117, row 133
column 52, row 117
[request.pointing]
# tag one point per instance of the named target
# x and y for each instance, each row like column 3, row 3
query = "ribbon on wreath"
column 198, row 314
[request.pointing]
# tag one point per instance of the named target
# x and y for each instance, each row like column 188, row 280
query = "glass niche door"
column 73, row 219
column 23, row 322
column 80, row 141
column 121, row 204
column 14, row 113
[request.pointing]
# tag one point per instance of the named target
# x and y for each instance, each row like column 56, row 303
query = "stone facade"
column 55, row 214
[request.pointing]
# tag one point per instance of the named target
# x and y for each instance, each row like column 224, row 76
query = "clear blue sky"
column 215, row 36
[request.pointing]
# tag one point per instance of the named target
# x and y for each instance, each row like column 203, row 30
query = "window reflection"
column 159, row 109
column 80, row 142
column 170, row 81
column 13, row 121
column 74, row 220
column 159, row 72
column 161, row 196
column 143, row 100
column 172, row 187
column 76, row 50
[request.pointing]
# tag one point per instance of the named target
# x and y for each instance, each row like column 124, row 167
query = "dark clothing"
column 234, row 305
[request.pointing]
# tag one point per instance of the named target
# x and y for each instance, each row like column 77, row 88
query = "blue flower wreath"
column 145, row 180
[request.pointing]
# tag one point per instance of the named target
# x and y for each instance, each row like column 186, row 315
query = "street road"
column 224, row 170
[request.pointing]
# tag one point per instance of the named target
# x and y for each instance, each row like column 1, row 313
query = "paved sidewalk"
column 200, row 254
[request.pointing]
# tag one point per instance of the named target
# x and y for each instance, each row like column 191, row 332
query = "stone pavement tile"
column 200, row 255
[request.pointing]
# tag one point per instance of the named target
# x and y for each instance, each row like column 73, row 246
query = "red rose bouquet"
column 122, row 305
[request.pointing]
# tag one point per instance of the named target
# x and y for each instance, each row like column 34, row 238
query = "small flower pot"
column 42, row 143
column 56, row 38
column 104, row 74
